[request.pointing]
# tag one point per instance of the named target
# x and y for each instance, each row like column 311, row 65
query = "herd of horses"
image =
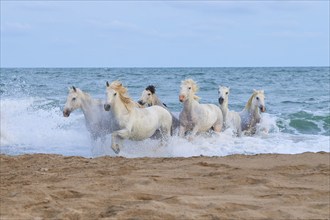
column 124, row 118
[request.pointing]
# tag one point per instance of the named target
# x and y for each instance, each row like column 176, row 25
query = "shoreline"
column 276, row 186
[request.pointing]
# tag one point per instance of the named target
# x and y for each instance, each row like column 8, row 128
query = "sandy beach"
column 269, row 186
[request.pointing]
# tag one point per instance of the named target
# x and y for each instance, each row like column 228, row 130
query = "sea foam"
column 26, row 128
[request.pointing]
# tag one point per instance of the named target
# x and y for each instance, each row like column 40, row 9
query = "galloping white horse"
column 230, row 119
column 134, row 123
column 98, row 122
column 250, row 115
column 149, row 98
column 195, row 116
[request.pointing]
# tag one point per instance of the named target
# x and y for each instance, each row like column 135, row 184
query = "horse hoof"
column 116, row 150
column 190, row 138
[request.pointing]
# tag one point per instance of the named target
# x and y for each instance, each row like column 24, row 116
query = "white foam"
column 27, row 129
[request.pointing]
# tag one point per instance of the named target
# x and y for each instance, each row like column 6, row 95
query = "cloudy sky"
column 164, row 33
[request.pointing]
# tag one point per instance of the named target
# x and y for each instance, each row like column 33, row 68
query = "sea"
column 297, row 119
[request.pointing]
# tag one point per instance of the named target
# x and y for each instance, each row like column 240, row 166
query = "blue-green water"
column 297, row 101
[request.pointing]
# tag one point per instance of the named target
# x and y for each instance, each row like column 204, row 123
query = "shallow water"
column 297, row 117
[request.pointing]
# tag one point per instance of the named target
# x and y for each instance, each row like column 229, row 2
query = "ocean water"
column 297, row 116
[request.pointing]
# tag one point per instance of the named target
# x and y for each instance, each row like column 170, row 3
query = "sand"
column 269, row 186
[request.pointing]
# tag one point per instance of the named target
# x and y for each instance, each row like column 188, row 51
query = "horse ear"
column 262, row 91
column 108, row 84
column 254, row 90
column 74, row 88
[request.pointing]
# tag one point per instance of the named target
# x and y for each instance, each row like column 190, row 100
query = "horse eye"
column 257, row 98
column 189, row 88
column 115, row 94
column 73, row 99
column 149, row 94
column 226, row 93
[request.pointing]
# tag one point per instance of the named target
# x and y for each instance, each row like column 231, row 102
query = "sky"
column 164, row 33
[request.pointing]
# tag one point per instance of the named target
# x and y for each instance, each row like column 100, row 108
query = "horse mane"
column 254, row 94
column 193, row 85
column 123, row 95
column 151, row 88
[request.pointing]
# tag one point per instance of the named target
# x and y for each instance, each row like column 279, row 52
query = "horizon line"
column 117, row 67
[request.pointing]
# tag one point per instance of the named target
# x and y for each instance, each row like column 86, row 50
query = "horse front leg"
column 194, row 130
column 239, row 132
column 117, row 138
column 182, row 131
column 193, row 133
column 114, row 142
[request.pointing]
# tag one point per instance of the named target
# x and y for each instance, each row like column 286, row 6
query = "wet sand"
column 269, row 186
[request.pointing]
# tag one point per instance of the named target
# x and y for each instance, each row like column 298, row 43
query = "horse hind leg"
column 93, row 136
column 217, row 127
column 157, row 135
column 165, row 133
column 239, row 130
column 103, row 139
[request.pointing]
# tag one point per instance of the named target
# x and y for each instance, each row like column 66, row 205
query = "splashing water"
column 297, row 121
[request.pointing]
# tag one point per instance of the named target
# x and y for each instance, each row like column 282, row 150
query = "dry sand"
column 248, row 187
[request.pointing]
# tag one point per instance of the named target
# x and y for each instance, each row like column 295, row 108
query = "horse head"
column 117, row 92
column 223, row 94
column 147, row 96
column 188, row 90
column 258, row 100
column 111, row 95
column 73, row 101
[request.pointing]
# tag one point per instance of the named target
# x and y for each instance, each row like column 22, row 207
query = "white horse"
column 231, row 119
column 196, row 117
column 98, row 122
column 134, row 123
column 149, row 98
column 250, row 116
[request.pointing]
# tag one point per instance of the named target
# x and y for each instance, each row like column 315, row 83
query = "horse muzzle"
column 141, row 102
column 221, row 100
column 181, row 98
column 262, row 108
column 66, row 113
column 107, row 107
